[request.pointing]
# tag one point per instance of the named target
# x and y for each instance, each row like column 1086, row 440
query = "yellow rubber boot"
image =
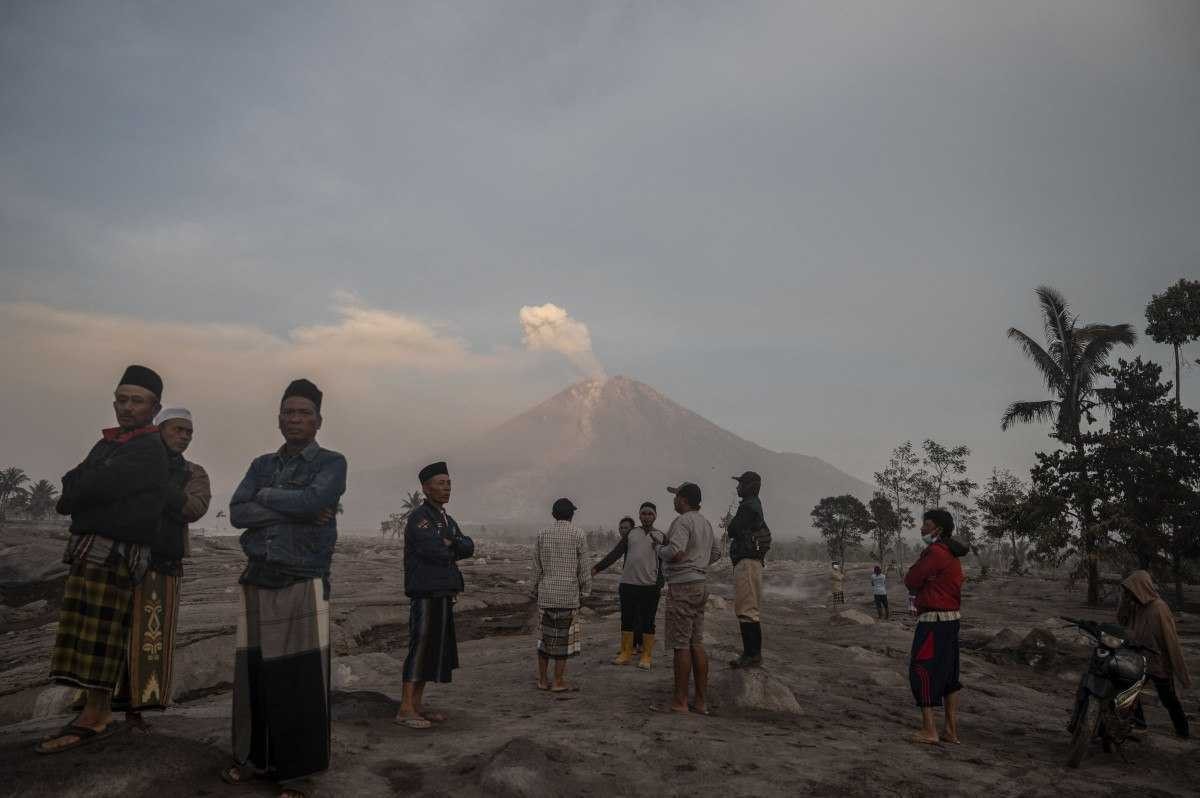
column 626, row 649
column 647, row 651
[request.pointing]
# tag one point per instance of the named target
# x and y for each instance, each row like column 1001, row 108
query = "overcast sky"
column 811, row 223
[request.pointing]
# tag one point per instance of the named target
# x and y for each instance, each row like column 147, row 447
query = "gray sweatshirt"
column 692, row 534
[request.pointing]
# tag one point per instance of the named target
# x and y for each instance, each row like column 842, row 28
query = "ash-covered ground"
column 829, row 714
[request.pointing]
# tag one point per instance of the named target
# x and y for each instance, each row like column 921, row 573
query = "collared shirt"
column 277, row 503
column 692, row 534
column 561, row 573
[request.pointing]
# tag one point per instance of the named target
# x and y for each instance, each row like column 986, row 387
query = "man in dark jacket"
column 145, row 682
column 433, row 545
column 936, row 580
column 115, row 498
column 287, row 503
column 747, row 535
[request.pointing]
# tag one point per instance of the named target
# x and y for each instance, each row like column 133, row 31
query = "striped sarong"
column 561, row 634
column 281, row 719
column 146, row 680
column 93, row 626
column 432, row 644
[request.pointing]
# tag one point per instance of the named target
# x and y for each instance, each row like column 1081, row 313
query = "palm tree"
column 1069, row 363
column 42, row 497
column 396, row 521
column 12, row 481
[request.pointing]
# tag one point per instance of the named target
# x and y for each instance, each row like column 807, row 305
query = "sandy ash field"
column 829, row 714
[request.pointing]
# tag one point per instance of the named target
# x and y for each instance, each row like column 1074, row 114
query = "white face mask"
column 928, row 539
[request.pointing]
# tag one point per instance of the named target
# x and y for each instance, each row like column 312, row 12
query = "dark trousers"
column 1170, row 701
column 639, row 605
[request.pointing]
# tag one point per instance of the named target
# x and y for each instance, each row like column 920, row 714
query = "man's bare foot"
column 563, row 687
column 950, row 737
column 922, row 737
column 433, row 717
column 542, row 684
column 412, row 719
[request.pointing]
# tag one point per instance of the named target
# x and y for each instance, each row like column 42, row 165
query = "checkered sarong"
column 93, row 626
column 561, row 634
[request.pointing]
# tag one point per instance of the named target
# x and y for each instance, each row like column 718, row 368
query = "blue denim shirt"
column 277, row 503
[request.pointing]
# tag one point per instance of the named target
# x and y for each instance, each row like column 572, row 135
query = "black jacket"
column 746, row 521
column 119, row 491
column 430, row 566
column 169, row 549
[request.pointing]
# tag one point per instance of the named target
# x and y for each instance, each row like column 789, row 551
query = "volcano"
column 609, row 444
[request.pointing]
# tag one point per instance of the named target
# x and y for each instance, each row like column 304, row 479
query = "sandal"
column 413, row 723
column 84, row 735
column 238, row 775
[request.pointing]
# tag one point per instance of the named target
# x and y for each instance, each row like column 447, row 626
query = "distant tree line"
column 21, row 498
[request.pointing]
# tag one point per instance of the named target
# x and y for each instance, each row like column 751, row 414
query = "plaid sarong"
column 432, row 645
column 561, row 637
column 146, row 680
column 93, row 626
column 281, row 719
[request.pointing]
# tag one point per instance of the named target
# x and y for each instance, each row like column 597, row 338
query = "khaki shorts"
column 747, row 590
column 685, row 614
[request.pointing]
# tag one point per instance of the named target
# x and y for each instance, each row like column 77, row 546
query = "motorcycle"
column 1108, row 690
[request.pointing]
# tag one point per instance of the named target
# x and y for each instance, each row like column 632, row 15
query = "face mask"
column 928, row 539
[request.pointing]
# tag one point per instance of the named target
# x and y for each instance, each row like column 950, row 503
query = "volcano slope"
column 845, row 733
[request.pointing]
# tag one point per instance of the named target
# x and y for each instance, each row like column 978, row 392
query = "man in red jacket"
column 936, row 579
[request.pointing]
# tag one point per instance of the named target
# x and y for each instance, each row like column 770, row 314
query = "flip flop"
column 413, row 723
column 666, row 710
column 920, row 739
column 434, row 717
column 569, row 689
column 238, row 775
column 84, row 734
column 544, row 688
column 692, row 708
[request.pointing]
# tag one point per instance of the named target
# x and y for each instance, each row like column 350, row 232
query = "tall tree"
column 843, row 521
column 896, row 482
column 12, row 480
column 42, row 496
column 1174, row 318
column 1070, row 363
column 999, row 506
column 941, row 475
column 885, row 523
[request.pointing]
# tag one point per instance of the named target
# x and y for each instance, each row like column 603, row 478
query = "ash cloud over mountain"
column 609, row 444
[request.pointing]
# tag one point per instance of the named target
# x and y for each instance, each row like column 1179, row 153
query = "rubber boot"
column 647, row 651
column 756, row 636
column 626, row 649
column 747, row 647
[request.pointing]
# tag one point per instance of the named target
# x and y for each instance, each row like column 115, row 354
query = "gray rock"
column 1006, row 640
column 37, row 561
column 203, row 666
column 1039, row 649
column 757, row 689
column 374, row 671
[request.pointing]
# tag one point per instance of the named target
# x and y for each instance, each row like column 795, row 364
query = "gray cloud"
column 810, row 222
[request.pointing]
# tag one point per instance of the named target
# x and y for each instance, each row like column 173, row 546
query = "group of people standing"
column 134, row 494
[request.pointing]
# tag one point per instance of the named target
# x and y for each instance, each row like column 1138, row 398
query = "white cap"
column 169, row 413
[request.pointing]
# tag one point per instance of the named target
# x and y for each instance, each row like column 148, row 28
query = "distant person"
column 287, row 503
column 936, row 579
column 640, row 584
column 1149, row 621
column 749, row 540
column 115, row 498
column 837, row 582
column 146, row 677
column 433, row 545
column 689, row 549
column 879, row 591
column 561, row 580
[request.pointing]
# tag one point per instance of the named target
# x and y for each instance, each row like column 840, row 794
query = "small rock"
column 756, row 688
column 883, row 678
column 367, row 670
column 716, row 603
column 1006, row 640
column 852, row 617
column 1038, row 649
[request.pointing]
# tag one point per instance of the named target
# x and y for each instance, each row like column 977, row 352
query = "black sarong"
column 432, row 646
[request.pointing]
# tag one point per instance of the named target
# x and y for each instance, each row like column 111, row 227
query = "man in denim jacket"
column 287, row 503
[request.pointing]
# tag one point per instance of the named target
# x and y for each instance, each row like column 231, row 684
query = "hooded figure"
column 1149, row 621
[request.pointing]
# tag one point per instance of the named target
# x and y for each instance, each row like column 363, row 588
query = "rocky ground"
column 829, row 714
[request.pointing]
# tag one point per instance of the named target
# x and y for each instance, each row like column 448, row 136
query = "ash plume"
column 549, row 328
